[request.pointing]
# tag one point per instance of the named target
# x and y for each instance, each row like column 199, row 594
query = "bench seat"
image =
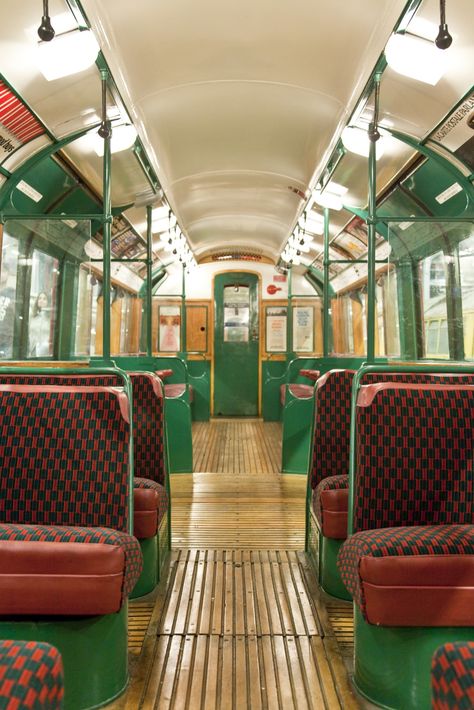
column 65, row 570
column 31, row 676
column 412, row 576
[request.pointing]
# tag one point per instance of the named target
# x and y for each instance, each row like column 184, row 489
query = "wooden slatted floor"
column 237, row 446
column 244, row 511
column 238, row 623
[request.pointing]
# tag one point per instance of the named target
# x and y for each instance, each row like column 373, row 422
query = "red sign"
column 279, row 278
column 271, row 289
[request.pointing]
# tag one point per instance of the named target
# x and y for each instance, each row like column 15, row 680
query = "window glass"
column 466, row 271
column 236, row 313
column 388, row 315
column 8, row 288
column 43, row 288
column 432, row 274
column 89, row 291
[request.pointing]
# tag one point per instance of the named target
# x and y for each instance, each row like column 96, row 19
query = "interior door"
column 236, row 345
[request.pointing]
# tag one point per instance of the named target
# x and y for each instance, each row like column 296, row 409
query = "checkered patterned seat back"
column 31, row 676
column 148, row 426
column 65, row 458
column 148, row 433
column 414, row 454
column 333, row 415
column 332, row 425
column 452, row 676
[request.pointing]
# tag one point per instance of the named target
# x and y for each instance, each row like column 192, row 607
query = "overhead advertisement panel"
column 457, row 132
column 18, row 125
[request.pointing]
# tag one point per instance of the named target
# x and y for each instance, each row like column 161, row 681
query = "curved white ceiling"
column 238, row 102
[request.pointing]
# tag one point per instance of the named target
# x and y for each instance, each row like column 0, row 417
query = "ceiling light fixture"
column 70, row 53
column 123, row 137
column 356, row 140
column 415, row 57
column 328, row 199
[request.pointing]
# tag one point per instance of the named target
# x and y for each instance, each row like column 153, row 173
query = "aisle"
column 238, row 623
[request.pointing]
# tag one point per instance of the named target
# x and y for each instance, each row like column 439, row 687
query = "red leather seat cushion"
column 56, row 578
column 334, row 505
column 145, row 512
column 424, row 590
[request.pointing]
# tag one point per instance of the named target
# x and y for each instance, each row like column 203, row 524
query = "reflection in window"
column 466, row 270
column 88, row 294
column 44, row 274
column 388, row 332
column 432, row 273
column 8, row 274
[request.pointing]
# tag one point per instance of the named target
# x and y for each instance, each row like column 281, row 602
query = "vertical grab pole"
column 326, row 285
column 107, row 228
column 149, row 284
column 183, row 312
column 289, row 320
column 374, row 135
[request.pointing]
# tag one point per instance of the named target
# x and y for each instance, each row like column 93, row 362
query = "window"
column 8, row 288
column 466, row 271
column 89, row 291
column 42, row 312
column 432, row 274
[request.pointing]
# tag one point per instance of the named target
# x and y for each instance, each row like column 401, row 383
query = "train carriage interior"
column 236, row 355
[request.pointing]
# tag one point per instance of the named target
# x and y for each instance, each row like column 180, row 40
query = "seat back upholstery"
column 332, row 425
column 148, row 413
column 149, row 432
column 414, row 455
column 333, row 394
column 65, row 456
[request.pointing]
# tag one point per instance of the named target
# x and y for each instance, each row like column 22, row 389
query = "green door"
column 236, row 345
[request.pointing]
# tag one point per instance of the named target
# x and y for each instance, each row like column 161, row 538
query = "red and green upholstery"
column 412, row 576
column 31, row 676
column 51, row 570
column 67, row 560
column 410, row 563
column 54, row 442
column 330, row 502
column 452, row 676
column 414, row 455
column 148, row 435
column 65, row 470
column 151, row 497
column 332, row 425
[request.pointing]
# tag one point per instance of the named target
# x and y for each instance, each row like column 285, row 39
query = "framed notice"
column 275, row 329
column 170, row 327
column 303, row 329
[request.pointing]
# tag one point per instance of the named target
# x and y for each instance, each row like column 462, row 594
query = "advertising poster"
column 275, row 337
column 170, row 325
column 303, row 320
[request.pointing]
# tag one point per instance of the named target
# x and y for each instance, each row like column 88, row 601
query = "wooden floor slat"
column 237, row 446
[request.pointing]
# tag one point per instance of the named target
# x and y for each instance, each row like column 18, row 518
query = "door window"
column 236, row 314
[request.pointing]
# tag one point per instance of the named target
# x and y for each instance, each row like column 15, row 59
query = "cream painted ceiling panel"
column 240, row 89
